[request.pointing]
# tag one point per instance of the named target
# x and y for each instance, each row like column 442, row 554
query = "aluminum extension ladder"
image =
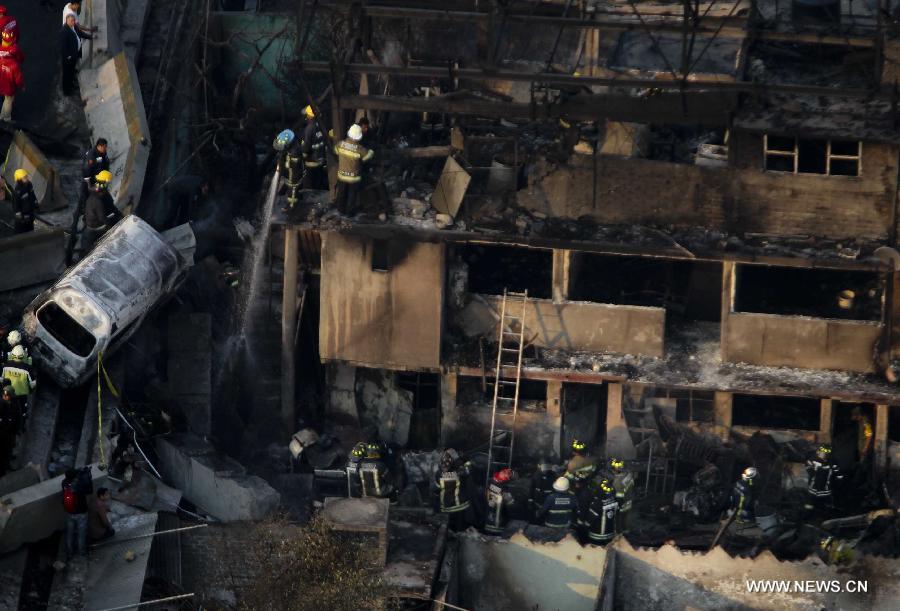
column 507, row 377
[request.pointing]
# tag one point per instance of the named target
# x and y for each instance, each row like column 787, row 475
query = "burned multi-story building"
column 715, row 243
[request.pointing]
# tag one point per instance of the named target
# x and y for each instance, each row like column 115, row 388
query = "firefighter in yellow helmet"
column 24, row 202
column 313, row 148
column 623, row 484
column 100, row 212
column 580, row 467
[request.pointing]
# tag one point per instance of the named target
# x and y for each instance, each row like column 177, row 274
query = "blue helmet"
column 283, row 140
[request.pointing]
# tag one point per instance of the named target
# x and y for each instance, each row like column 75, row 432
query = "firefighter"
column 743, row 497
column 313, row 149
column 541, row 485
column 351, row 157
column 602, row 514
column 453, row 489
column 499, row 499
column 25, row 202
column 581, row 467
column 823, row 474
column 357, row 454
column 558, row 510
column 374, row 474
column 623, row 484
column 293, row 164
column 94, row 161
column 100, row 213
column 19, row 372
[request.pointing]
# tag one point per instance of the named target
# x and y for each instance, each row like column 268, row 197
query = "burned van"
column 98, row 303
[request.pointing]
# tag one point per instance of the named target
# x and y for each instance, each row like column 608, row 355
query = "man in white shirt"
column 73, row 8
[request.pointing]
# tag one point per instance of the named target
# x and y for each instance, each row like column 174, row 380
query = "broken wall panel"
column 733, row 199
column 596, row 327
column 384, row 319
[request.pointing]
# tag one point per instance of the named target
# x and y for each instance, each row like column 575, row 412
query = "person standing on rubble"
column 351, row 157
column 25, row 202
column 623, row 484
column 100, row 212
column 70, row 38
column 558, row 510
column 374, row 474
column 453, row 487
column 313, row 149
column 499, row 499
column 76, row 486
column 822, row 474
column 743, row 497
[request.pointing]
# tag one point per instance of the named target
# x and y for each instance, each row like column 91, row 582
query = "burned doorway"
column 583, row 415
column 845, row 436
column 425, row 423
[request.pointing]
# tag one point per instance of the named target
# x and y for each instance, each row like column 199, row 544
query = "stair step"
column 635, row 429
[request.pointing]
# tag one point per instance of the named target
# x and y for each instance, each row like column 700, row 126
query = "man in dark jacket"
column 100, row 212
column 9, row 418
column 70, row 38
column 24, row 202
column 76, row 486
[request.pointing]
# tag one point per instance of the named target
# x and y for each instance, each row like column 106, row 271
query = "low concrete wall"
column 24, row 154
column 32, row 258
column 516, row 573
column 799, row 341
column 36, row 512
column 595, row 327
column 215, row 483
column 115, row 111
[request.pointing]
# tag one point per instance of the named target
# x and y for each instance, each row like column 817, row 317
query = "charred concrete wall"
column 795, row 341
column 592, row 326
column 520, row 574
column 384, row 318
column 743, row 198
